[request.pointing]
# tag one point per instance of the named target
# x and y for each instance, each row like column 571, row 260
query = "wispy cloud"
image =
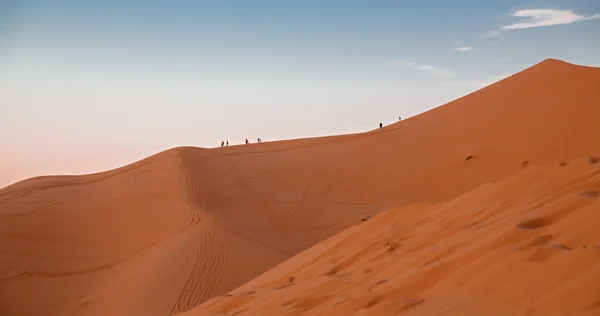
column 437, row 71
column 429, row 68
column 546, row 17
column 540, row 17
column 491, row 34
column 399, row 64
column 463, row 49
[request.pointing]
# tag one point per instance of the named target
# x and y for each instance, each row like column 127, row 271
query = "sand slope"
column 528, row 245
column 165, row 234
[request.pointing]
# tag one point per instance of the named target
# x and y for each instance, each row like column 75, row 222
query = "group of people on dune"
column 381, row 124
column 226, row 143
column 259, row 140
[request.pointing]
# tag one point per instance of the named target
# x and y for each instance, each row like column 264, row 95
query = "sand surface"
column 165, row 234
column 528, row 245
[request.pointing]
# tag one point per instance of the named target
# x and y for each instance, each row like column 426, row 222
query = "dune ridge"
column 165, row 234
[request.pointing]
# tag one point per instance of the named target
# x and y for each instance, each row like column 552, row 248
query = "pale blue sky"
column 89, row 86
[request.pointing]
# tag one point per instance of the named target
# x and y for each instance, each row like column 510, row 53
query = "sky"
column 87, row 86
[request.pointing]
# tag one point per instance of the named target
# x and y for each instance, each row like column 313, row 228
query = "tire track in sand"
column 208, row 249
column 277, row 225
column 302, row 203
column 311, row 224
column 304, row 233
column 25, row 273
column 260, row 242
column 258, row 198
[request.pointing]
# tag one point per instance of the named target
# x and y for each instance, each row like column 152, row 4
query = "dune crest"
column 165, row 234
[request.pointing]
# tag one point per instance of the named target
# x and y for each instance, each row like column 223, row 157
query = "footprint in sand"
column 392, row 246
column 240, row 312
column 307, row 302
column 534, row 223
column 377, row 284
column 373, row 302
column 539, row 241
column 281, row 287
column 591, row 193
column 561, row 247
column 407, row 304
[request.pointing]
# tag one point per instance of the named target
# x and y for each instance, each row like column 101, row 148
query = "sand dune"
column 528, row 245
column 165, row 234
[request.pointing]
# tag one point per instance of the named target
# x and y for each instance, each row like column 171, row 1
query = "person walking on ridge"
column 222, row 143
column 380, row 125
column 246, row 140
column 227, row 143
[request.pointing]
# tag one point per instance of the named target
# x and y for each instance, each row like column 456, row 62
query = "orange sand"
column 527, row 245
column 167, row 233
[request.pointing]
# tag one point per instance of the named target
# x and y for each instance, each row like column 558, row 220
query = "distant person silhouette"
column 227, row 143
column 246, row 140
column 399, row 118
column 380, row 125
column 222, row 143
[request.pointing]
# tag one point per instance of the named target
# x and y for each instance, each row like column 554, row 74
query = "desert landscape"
column 487, row 205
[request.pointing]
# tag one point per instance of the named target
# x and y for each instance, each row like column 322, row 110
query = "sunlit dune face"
column 485, row 205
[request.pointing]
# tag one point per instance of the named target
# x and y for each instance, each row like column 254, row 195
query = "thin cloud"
column 399, row 64
column 463, row 49
column 429, row 68
column 540, row 17
column 546, row 17
column 491, row 34
column 437, row 71
column 591, row 17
